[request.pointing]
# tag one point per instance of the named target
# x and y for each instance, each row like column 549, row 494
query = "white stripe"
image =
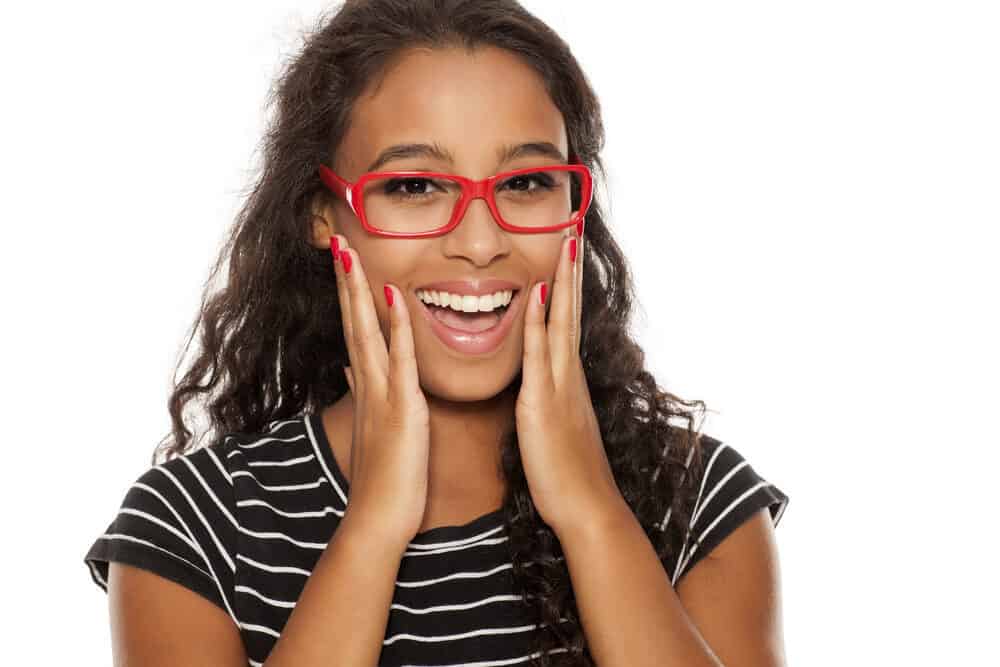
column 322, row 461
column 287, row 569
column 475, row 574
column 457, row 607
column 273, row 568
column 663, row 453
column 463, row 541
column 716, row 488
column 496, row 663
column 218, row 464
column 292, row 515
column 687, row 464
column 274, row 603
column 201, row 517
column 263, row 441
column 465, row 546
column 130, row 538
column 704, row 478
column 746, row 494
column 287, row 462
column 201, row 552
column 275, row 425
column 260, row 628
column 210, row 491
column 163, row 524
column 285, row 487
column 192, row 541
column 687, row 532
column 283, row 536
column 97, row 575
column 462, row 635
column 780, row 512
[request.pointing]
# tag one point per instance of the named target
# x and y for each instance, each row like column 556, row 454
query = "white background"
column 808, row 194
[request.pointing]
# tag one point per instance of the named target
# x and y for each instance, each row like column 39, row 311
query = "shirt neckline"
column 477, row 525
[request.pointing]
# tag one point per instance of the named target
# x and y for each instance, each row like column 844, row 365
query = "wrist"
column 599, row 524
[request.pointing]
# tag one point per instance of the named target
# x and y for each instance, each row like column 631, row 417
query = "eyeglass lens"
column 413, row 204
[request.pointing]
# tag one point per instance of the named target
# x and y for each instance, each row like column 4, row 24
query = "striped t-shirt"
column 243, row 522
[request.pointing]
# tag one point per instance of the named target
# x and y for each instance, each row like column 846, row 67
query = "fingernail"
column 572, row 250
column 334, row 247
column 345, row 257
column 388, row 294
column 541, row 294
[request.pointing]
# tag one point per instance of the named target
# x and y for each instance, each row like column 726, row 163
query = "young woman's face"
column 473, row 107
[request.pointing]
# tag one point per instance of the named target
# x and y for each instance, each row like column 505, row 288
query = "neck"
column 465, row 437
column 465, row 442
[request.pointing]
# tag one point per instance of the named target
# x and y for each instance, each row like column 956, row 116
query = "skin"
column 729, row 601
column 471, row 104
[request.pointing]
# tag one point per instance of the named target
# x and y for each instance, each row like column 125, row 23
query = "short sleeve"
column 730, row 492
column 176, row 520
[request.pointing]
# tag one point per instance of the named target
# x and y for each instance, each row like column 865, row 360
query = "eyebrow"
column 504, row 153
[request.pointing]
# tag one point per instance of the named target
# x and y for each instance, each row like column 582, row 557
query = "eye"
column 410, row 186
column 522, row 182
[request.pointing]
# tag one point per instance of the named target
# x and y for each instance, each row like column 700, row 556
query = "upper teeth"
column 467, row 303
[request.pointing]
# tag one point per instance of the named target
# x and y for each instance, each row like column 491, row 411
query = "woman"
column 448, row 349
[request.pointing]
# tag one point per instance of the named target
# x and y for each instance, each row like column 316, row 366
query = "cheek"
column 542, row 259
column 389, row 261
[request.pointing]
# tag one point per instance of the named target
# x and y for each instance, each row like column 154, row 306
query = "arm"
column 157, row 622
column 340, row 618
column 725, row 612
column 342, row 614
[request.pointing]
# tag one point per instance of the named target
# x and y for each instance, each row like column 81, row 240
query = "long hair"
column 272, row 344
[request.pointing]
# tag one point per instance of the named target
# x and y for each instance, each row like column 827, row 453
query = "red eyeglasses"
column 419, row 204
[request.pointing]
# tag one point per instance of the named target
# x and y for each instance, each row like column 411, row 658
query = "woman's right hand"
column 390, row 443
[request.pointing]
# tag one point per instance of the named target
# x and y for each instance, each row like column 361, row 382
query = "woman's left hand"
column 567, row 469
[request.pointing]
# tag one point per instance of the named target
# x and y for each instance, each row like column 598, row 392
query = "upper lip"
column 471, row 287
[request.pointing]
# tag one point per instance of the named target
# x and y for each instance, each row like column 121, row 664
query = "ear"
column 324, row 223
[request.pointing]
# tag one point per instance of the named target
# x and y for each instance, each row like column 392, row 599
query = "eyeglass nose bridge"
column 474, row 190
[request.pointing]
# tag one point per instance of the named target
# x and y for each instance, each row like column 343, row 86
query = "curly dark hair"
column 272, row 345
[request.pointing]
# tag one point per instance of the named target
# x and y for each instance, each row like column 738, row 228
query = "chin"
column 469, row 385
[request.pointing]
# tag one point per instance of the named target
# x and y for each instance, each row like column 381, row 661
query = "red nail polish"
column 345, row 257
column 334, row 247
column 388, row 294
column 572, row 250
column 542, row 293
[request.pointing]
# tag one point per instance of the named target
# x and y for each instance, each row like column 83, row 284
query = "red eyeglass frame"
column 471, row 189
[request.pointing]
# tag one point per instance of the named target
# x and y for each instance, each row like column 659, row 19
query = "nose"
column 477, row 236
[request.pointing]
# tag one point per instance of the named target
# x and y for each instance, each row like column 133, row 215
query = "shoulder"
column 178, row 519
column 729, row 492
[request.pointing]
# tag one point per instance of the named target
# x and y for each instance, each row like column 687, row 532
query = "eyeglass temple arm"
column 337, row 184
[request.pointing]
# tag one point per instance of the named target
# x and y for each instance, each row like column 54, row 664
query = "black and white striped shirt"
column 243, row 522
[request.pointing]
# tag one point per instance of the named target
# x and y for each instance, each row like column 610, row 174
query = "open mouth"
column 474, row 322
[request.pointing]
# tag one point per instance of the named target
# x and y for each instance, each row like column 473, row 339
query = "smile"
column 474, row 333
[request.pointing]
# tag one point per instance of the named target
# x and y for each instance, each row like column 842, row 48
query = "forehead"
column 470, row 104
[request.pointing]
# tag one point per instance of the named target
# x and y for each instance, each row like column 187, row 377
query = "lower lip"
column 467, row 342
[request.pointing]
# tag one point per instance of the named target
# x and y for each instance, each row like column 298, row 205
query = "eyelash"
column 390, row 186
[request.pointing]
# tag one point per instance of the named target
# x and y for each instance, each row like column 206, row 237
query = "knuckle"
column 369, row 337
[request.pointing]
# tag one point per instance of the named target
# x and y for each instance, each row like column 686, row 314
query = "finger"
column 344, row 296
column 350, row 378
column 369, row 342
column 536, row 371
column 403, row 375
column 578, row 316
column 562, row 310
